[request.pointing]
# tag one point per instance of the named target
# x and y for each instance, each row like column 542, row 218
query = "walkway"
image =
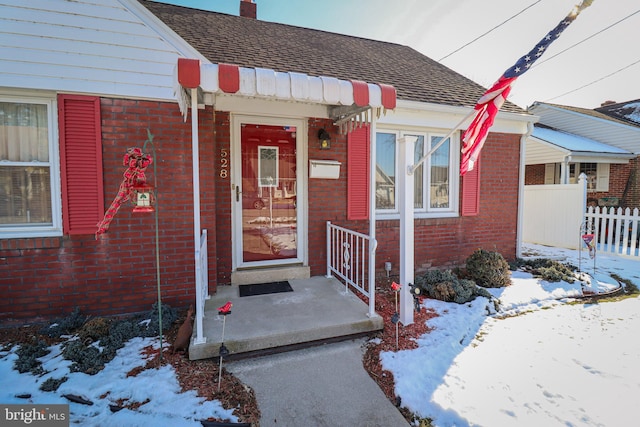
column 318, row 386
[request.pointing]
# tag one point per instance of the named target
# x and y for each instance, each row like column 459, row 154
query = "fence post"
column 328, row 249
column 582, row 180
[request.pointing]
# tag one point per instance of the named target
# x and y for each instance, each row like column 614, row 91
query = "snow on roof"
column 634, row 115
column 574, row 143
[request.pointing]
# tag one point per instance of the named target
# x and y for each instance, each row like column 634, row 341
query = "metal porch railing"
column 202, row 286
column 351, row 258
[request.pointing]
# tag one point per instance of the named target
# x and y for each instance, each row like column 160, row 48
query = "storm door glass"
column 269, row 205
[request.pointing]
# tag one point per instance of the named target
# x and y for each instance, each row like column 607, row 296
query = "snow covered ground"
column 166, row 404
column 554, row 364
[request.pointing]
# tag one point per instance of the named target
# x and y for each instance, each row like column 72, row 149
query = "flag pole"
column 491, row 102
column 412, row 168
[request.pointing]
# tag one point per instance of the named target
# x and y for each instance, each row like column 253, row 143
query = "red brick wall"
column 633, row 193
column 45, row 278
column 534, row 174
column 48, row 277
column 618, row 178
column 439, row 242
column 447, row 242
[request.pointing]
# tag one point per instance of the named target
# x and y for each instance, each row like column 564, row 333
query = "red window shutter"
column 471, row 191
column 358, row 147
column 80, row 163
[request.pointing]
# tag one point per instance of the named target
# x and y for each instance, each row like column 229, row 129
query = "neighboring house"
column 603, row 143
column 82, row 82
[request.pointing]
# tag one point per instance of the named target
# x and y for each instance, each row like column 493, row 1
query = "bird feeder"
column 143, row 197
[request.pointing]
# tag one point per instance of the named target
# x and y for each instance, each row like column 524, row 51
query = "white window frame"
column 454, row 170
column 55, row 229
column 276, row 179
column 553, row 175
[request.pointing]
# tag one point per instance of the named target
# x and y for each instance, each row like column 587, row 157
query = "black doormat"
column 265, row 288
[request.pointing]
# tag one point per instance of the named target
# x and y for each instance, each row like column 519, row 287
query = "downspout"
column 523, row 145
column 373, row 243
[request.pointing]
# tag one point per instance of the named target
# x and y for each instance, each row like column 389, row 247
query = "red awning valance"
column 263, row 82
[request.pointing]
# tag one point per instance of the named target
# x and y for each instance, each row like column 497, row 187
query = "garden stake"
column 157, row 240
column 396, row 316
column 223, row 311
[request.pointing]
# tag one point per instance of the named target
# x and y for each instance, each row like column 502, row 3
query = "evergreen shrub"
column 488, row 269
column 446, row 286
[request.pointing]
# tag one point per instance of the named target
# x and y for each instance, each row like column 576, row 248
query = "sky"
column 537, row 360
column 437, row 28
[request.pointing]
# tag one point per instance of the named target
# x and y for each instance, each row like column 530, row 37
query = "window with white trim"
column 29, row 177
column 435, row 180
column 597, row 174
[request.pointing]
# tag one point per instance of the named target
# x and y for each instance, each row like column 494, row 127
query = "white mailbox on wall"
column 327, row 169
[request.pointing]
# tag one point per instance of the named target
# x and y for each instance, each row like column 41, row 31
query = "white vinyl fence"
column 556, row 215
column 616, row 230
column 553, row 214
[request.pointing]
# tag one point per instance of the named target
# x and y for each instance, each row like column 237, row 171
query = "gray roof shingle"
column 627, row 112
column 254, row 43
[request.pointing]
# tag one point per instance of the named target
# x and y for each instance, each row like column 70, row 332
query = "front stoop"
column 265, row 275
column 317, row 309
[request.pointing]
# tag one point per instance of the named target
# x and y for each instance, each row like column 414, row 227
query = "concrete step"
column 317, row 309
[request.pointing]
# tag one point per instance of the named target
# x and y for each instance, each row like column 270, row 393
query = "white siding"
column 616, row 134
column 91, row 46
column 538, row 153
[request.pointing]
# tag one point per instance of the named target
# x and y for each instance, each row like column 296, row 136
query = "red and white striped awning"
column 267, row 83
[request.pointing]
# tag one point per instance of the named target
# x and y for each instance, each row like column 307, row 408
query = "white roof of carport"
column 547, row 145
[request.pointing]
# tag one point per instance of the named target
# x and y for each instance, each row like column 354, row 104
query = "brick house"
column 273, row 102
column 604, row 143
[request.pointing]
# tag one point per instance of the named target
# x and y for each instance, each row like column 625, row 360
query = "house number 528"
column 224, row 163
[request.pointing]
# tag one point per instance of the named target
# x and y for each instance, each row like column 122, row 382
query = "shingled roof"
column 247, row 42
column 627, row 112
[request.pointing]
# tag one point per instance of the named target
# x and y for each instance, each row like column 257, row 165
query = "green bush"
column 488, row 269
column 94, row 329
column 65, row 326
column 52, row 384
column 28, row 355
column 446, row 286
column 546, row 269
column 98, row 339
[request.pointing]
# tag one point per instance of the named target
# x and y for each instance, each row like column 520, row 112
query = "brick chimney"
column 248, row 9
column 605, row 103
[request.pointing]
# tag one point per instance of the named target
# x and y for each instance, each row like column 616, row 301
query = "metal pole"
column 157, row 242
column 373, row 243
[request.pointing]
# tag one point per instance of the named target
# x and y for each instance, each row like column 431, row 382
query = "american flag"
column 490, row 103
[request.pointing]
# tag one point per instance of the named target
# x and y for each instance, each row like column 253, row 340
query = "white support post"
column 372, row 215
column 196, row 212
column 405, row 189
